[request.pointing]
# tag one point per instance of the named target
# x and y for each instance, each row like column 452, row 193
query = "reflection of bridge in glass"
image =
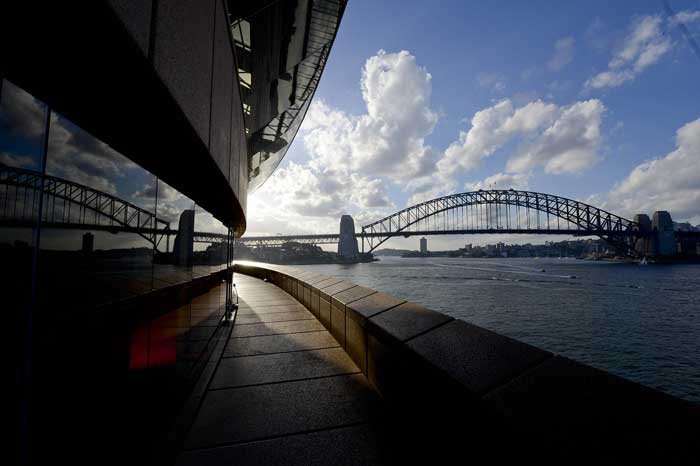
column 73, row 206
column 70, row 205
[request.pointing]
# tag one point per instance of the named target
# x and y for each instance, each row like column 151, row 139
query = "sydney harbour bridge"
column 68, row 205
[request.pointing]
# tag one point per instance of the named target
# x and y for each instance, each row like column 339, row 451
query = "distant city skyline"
column 589, row 100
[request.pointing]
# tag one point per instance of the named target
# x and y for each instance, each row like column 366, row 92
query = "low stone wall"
column 455, row 382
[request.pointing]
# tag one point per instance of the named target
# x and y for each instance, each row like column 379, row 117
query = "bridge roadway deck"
column 283, row 392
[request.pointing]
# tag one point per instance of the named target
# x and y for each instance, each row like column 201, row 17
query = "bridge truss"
column 503, row 211
column 71, row 205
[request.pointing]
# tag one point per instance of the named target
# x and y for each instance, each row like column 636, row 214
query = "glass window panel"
column 22, row 123
column 210, row 248
column 269, row 155
column 98, row 222
column 174, row 253
column 272, row 77
column 278, row 80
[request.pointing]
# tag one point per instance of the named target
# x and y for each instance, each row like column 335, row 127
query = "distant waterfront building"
column 665, row 241
column 423, row 246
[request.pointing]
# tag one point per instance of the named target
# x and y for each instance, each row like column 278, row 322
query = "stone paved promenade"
column 282, row 391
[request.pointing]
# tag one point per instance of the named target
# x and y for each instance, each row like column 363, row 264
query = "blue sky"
column 621, row 72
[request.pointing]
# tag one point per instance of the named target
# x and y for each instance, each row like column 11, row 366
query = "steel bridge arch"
column 589, row 220
column 119, row 214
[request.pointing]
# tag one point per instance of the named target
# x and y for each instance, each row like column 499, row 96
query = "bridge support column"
column 347, row 244
column 644, row 244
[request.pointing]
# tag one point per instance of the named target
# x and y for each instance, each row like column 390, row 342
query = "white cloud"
column 563, row 53
column 75, row 155
column 302, row 192
column 685, row 17
column 559, row 139
column 595, row 35
column 495, row 82
column 430, row 187
column 21, row 114
column 491, row 128
column 569, row 145
column 164, row 193
column 369, row 193
column 645, row 44
column 389, row 140
column 15, row 160
column 501, row 181
column 671, row 182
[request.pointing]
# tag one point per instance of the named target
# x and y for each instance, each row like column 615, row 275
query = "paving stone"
column 477, row 358
column 314, row 302
column 406, row 321
column 350, row 295
column 274, row 328
column 281, row 367
column 262, row 411
column 338, row 324
column 339, row 287
column 186, row 321
column 372, row 305
column 259, row 310
column 209, row 305
column 356, row 342
column 268, row 302
column 266, row 296
column 197, row 333
column 315, row 277
column 318, row 279
column 273, row 317
column 279, row 343
column 327, row 282
column 348, row 446
column 324, row 312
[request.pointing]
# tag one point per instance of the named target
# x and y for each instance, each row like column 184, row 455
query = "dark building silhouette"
column 117, row 116
column 665, row 242
column 88, row 243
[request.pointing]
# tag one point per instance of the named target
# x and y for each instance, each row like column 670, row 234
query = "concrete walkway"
column 283, row 392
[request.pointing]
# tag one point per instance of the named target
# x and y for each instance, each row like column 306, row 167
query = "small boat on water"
column 643, row 261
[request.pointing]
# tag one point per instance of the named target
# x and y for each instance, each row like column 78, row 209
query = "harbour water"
column 639, row 322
